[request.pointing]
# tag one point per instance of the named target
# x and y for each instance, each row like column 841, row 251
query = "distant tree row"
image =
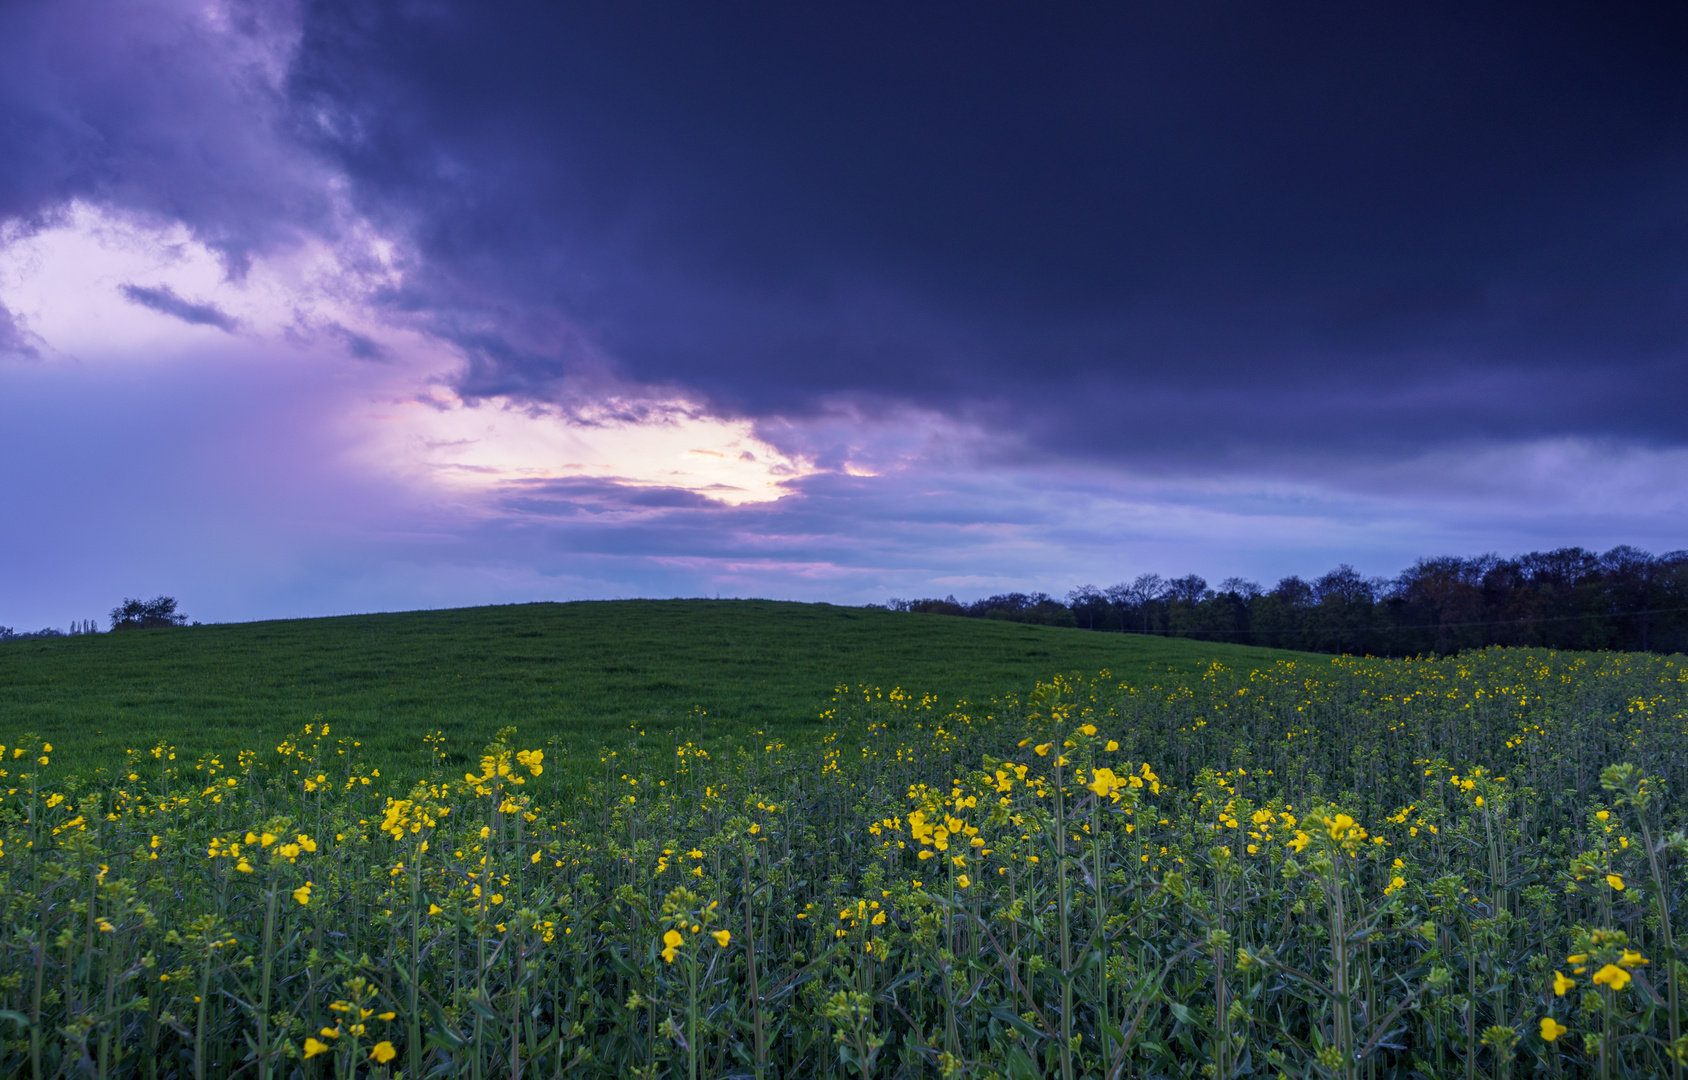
column 1625, row 599
column 77, row 626
column 129, row 615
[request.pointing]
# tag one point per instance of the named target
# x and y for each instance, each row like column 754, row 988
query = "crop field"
column 572, row 676
column 1466, row 867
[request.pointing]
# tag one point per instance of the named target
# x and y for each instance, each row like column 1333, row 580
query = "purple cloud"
column 15, row 341
column 163, row 299
column 1086, row 228
column 1022, row 301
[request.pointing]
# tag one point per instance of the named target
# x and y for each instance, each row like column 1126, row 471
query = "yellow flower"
column 313, row 1048
column 672, row 940
column 434, row 909
column 962, row 881
column 303, row 893
column 1339, row 826
column 1615, row 881
column 1112, row 746
column 1551, row 1029
column 924, row 854
column 1612, row 975
column 383, row 1052
column 1395, row 885
column 1631, row 958
column 1562, row 983
column 1087, row 729
column 722, row 937
column 1042, row 751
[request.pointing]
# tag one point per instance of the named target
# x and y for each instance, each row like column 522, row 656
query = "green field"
column 570, row 675
column 1211, row 861
column 1322, row 868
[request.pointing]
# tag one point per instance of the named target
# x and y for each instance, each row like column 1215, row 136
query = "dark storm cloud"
column 1169, row 229
column 161, row 109
column 164, row 300
column 1165, row 227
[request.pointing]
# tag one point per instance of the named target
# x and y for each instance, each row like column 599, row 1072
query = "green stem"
column 1344, row 1020
column 1666, row 939
column 1470, row 1001
column 35, row 1007
column 751, row 975
column 264, row 987
column 1063, row 893
column 199, row 1025
column 1101, row 990
column 414, row 1017
column 691, row 1012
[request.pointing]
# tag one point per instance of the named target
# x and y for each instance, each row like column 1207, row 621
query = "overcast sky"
column 317, row 308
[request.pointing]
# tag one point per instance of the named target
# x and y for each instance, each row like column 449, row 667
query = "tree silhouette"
column 146, row 614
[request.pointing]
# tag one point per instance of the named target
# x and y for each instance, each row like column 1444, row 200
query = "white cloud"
column 102, row 290
column 479, row 445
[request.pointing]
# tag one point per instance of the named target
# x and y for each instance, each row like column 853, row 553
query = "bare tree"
column 1142, row 592
column 1085, row 601
column 1248, row 590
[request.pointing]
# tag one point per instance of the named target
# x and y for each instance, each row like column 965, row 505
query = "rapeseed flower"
column 1612, row 975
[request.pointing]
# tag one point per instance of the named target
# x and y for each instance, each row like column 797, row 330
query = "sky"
column 314, row 308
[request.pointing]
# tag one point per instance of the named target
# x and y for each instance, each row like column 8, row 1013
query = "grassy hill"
column 578, row 672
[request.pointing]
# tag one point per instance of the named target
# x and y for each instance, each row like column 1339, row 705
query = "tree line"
column 129, row 615
column 1570, row 598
